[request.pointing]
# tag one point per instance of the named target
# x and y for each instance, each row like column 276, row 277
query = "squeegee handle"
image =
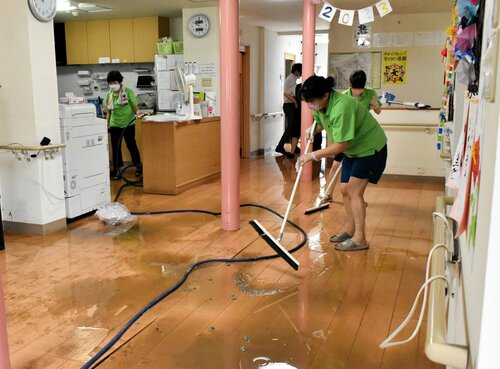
column 290, row 202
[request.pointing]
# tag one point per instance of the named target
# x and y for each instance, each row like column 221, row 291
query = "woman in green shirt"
column 121, row 105
column 352, row 130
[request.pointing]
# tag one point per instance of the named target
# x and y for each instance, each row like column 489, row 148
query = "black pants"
column 129, row 137
column 289, row 110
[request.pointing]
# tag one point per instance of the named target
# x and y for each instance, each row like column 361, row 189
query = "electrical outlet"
column 206, row 82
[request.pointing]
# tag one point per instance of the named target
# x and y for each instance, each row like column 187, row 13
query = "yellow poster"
column 394, row 67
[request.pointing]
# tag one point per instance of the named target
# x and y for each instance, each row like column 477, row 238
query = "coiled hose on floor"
column 156, row 300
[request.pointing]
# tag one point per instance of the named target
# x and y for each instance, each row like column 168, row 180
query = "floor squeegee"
column 266, row 236
column 320, row 203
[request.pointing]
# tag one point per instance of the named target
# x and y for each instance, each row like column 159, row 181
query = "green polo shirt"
column 366, row 97
column 122, row 115
column 346, row 120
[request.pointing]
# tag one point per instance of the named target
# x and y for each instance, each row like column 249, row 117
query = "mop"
column 411, row 104
column 320, row 205
column 266, row 236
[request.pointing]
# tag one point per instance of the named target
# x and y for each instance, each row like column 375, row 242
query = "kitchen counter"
column 179, row 155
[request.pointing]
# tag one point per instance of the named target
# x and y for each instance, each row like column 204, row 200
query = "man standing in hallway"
column 289, row 105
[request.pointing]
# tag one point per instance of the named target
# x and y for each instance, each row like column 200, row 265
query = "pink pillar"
column 4, row 344
column 230, row 114
column 308, row 33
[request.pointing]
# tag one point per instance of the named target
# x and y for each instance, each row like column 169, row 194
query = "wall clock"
column 43, row 10
column 199, row 25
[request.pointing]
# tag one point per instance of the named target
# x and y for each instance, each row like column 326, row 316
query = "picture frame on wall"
column 341, row 65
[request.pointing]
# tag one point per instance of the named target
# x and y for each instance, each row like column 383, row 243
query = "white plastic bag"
column 114, row 214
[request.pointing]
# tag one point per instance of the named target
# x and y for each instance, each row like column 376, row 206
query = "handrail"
column 403, row 125
column 16, row 147
column 436, row 347
column 265, row 115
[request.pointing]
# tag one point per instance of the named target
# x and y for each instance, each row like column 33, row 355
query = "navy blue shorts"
column 368, row 167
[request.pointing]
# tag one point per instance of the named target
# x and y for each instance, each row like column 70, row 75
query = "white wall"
column 67, row 79
column 204, row 50
column 425, row 69
column 29, row 111
column 479, row 264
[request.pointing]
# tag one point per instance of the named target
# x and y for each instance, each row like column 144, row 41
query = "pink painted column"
column 230, row 114
column 308, row 33
column 4, row 344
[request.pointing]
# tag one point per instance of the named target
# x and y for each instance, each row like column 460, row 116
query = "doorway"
column 244, row 70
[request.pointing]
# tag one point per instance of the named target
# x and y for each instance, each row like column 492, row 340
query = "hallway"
column 68, row 293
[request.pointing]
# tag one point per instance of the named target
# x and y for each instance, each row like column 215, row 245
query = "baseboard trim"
column 413, row 178
column 30, row 228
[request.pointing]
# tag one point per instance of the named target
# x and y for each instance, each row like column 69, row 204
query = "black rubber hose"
column 166, row 293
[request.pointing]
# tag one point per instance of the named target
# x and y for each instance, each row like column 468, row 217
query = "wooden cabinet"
column 121, row 40
column 76, row 43
column 147, row 31
column 170, row 161
column 98, row 40
column 129, row 40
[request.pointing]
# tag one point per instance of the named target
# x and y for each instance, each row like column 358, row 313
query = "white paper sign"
column 346, row 17
column 161, row 62
column 403, row 39
column 327, row 12
column 104, row 60
column 383, row 39
column 384, row 7
column 366, row 15
column 207, row 69
column 164, row 100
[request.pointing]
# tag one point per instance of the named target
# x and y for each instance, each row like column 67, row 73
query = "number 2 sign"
column 384, row 7
column 327, row 12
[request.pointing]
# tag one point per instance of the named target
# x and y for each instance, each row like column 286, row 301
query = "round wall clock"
column 199, row 25
column 43, row 10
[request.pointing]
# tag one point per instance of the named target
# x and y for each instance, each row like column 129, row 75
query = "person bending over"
column 352, row 131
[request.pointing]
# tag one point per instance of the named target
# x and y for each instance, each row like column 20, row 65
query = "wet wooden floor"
column 68, row 293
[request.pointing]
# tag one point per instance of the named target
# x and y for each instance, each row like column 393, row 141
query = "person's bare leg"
column 355, row 190
column 350, row 226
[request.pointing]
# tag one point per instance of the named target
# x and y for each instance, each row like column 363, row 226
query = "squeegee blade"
column 275, row 245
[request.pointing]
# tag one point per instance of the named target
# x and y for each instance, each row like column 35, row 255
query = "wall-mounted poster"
column 394, row 67
column 341, row 65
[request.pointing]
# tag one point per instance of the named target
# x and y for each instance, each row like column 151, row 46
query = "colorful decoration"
column 394, row 67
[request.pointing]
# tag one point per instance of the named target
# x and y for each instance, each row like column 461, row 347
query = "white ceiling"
column 277, row 15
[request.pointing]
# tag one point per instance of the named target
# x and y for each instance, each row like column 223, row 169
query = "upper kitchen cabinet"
column 76, row 43
column 98, row 41
column 147, row 31
column 121, row 40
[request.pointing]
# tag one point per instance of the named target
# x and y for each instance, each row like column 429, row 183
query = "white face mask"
column 314, row 106
column 114, row 87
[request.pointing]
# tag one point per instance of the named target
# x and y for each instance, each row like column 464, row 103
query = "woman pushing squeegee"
column 275, row 242
column 355, row 132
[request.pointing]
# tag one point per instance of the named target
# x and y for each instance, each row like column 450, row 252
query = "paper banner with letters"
column 327, row 12
column 394, row 67
column 346, row 17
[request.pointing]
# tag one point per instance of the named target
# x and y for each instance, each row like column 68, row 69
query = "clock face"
column 199, row 25
column 43, row 10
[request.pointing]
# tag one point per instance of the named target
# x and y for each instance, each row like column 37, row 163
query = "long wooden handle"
column 285, row 218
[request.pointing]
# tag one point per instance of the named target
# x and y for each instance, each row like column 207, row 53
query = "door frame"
column 245, row 88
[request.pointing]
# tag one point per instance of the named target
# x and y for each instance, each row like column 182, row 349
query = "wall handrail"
column 436, row 347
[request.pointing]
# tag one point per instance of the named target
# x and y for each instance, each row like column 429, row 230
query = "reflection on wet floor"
column 67, row 294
